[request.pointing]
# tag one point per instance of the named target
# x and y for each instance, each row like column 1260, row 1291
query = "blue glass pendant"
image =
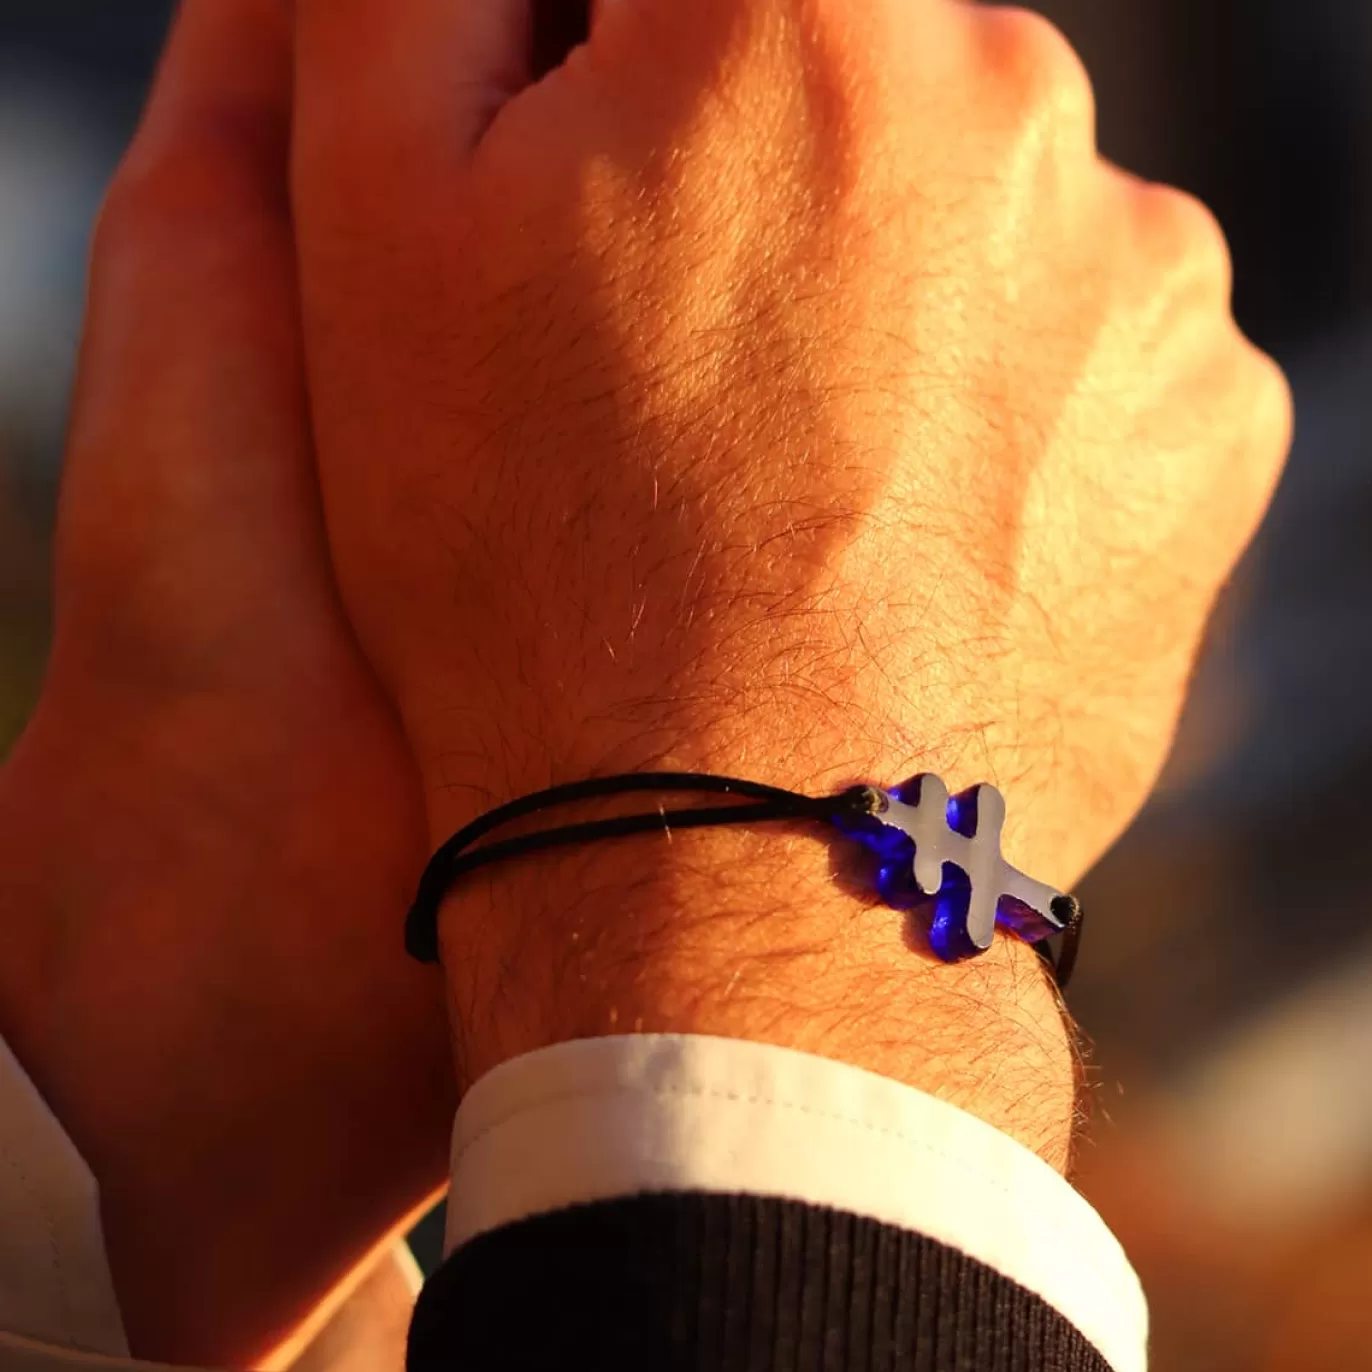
column 944, row 851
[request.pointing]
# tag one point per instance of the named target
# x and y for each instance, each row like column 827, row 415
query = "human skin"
column 211, row 828
column 781, row 388
column 647, row 440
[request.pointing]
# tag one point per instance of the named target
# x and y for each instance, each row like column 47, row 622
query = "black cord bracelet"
column 933, row 849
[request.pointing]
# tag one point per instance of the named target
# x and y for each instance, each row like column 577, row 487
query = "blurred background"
column 1227, row 972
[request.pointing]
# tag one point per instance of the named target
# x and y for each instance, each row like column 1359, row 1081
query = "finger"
column 195, row 229
column 189, row 413
column 401, row 89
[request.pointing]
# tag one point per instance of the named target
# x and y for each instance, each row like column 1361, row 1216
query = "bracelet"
column 932, row 849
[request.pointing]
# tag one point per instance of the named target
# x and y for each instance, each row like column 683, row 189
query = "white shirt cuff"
column 55, row 1283
column 600, row 1118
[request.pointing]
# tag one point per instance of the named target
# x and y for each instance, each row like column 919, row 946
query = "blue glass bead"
column 948, row 935
column 896, row 886
column 1024, row 920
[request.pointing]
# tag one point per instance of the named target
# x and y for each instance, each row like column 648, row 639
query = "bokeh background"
column 1227, row 972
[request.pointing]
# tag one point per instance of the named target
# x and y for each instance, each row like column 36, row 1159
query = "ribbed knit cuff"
column 730, row 1283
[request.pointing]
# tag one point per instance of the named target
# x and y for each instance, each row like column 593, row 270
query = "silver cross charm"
column 962, row 833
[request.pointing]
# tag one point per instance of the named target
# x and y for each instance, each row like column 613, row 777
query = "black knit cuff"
column 729, row 1283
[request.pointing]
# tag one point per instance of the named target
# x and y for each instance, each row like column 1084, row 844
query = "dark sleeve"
column 728, row 1283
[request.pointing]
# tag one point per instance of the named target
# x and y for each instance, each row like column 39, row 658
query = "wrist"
column 763, row 934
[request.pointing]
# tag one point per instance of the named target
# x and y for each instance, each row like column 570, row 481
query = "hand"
column 777, row 388
column 212, row 827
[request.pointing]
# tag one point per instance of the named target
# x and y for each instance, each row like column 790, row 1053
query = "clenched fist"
column 779, row 387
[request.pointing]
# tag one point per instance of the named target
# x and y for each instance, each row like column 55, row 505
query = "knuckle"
column 197, row 192
column 1035, row 66
column 1254, row 419
column 140, row 226
column 1271, row 409
column 1182, row 233
column 133, row 208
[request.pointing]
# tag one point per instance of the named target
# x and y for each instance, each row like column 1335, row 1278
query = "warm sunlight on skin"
column 784, row 390
column 781, row 388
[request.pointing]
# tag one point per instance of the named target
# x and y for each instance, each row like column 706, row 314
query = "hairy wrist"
column 762, row 934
